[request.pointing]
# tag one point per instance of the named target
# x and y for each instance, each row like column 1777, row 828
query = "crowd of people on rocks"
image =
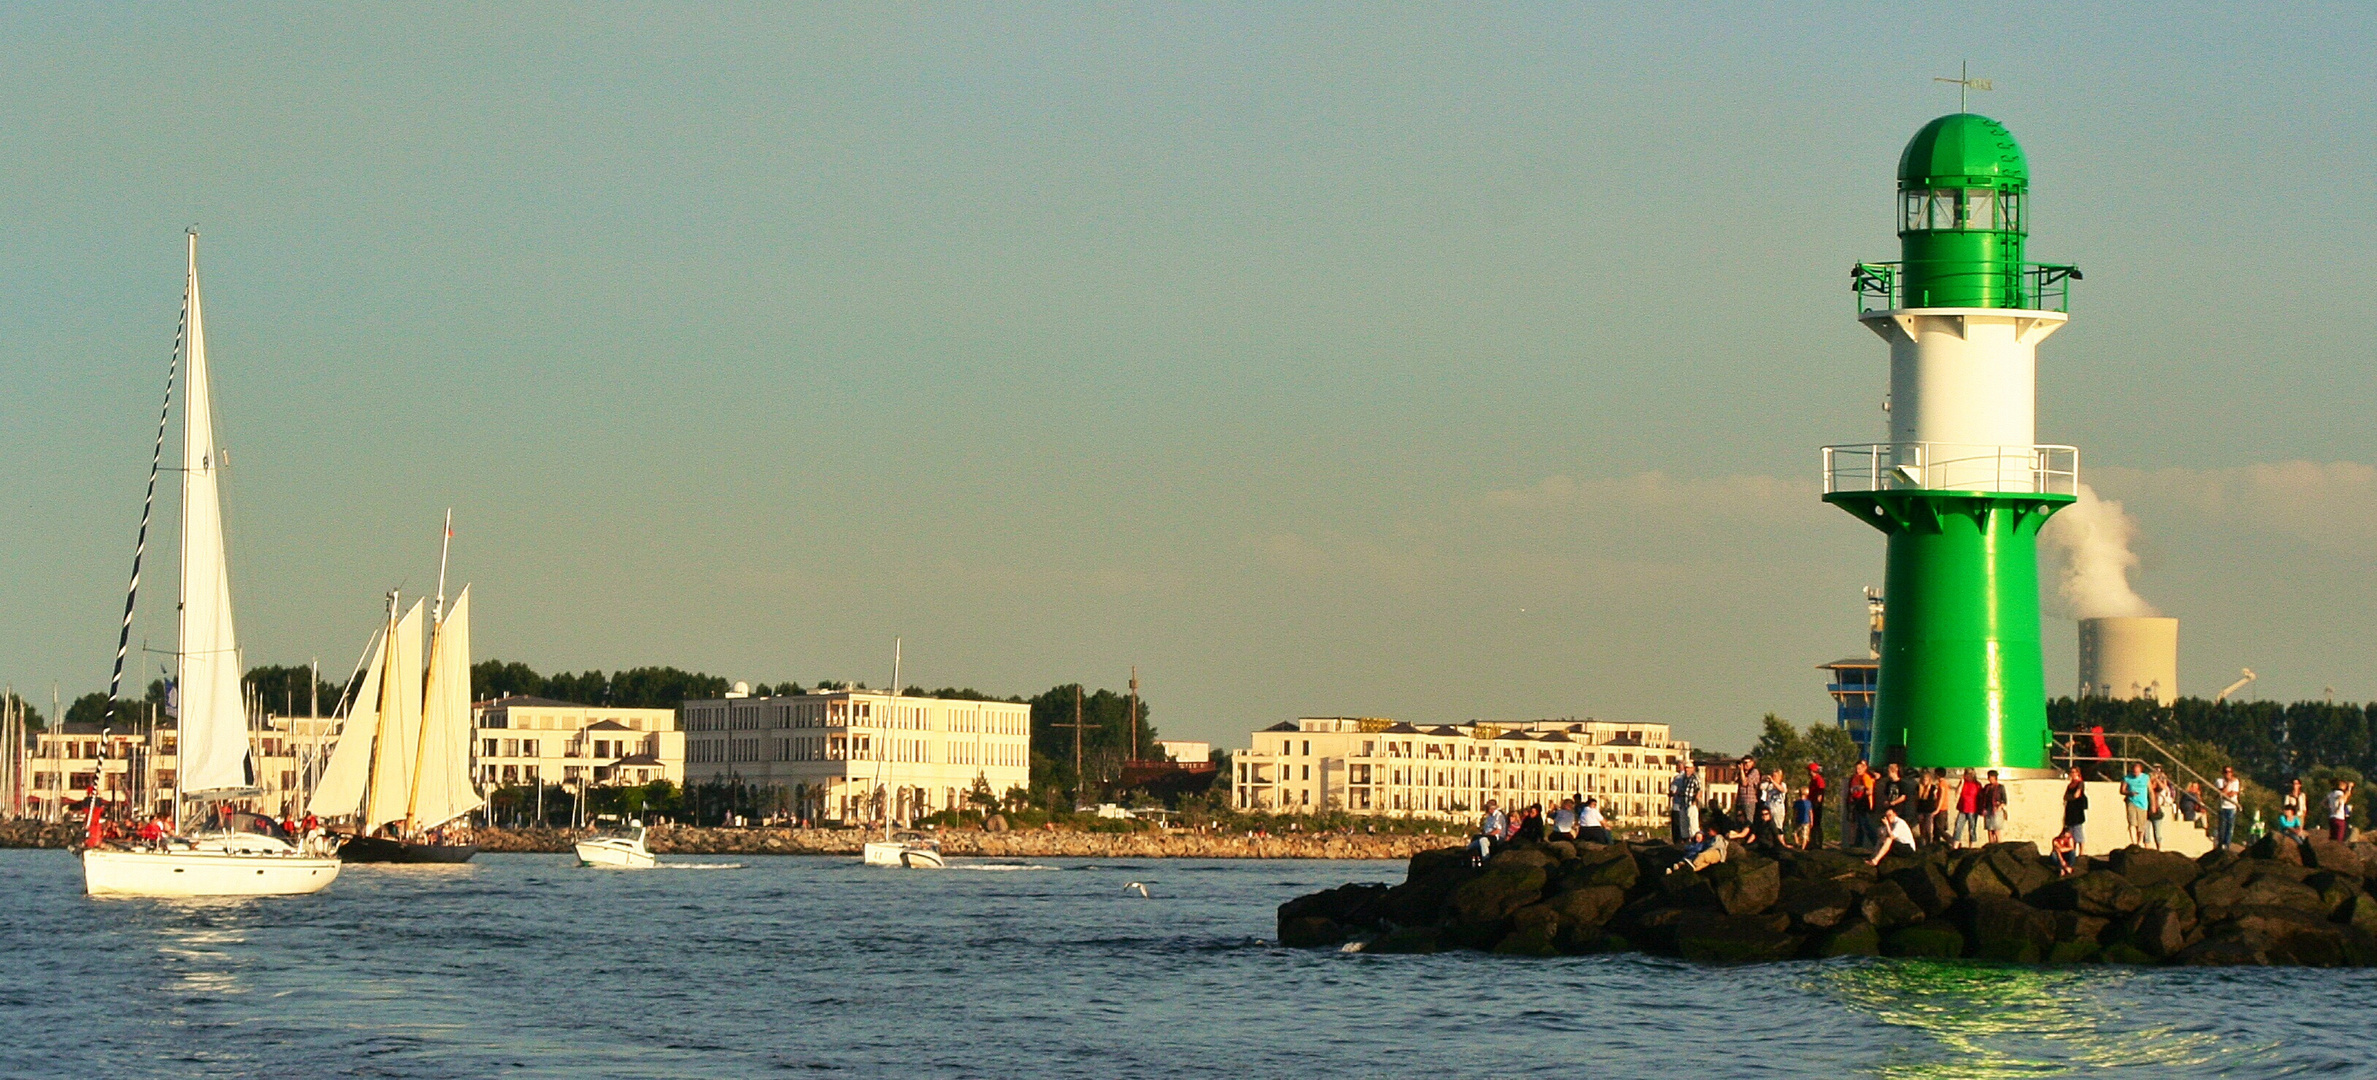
column 1900, row 809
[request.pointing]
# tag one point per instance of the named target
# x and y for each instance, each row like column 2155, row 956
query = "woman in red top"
column 1968, row 810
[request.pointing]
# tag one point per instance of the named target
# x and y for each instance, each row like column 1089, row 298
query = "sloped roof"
column 608, row 725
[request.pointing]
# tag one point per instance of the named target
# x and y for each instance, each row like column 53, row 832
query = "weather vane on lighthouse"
column 1965, row 84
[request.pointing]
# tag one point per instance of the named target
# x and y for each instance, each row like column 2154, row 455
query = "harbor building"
column 848, row 755
column 1373, row 766
column 1857, row 679
column 136, row 760
column 522, row 740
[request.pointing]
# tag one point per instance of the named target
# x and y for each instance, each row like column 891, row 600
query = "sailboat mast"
column 371, row 771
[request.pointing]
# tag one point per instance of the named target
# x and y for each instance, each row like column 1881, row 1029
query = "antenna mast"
column 437, row 611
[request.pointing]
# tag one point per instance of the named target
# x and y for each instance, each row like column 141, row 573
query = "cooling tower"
column 2130, row 658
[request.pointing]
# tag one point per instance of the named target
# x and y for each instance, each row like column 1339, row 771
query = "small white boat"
column 910, row 850
column 231, row 864
column 617, row 852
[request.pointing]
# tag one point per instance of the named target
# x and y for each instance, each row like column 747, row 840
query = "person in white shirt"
column 2230, row 790
column 1895, row 834
column 1590, row 828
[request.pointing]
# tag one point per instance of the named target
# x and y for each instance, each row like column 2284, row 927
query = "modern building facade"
column 1377, row 766
column 524, row 740
column 851, row 756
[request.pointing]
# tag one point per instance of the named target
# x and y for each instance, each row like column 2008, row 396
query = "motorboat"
column 914, row 851
column 620, row 852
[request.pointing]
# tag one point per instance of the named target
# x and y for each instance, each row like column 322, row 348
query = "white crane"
column 2234, row 687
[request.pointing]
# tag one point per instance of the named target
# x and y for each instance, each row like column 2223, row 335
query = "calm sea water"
column 524, row 965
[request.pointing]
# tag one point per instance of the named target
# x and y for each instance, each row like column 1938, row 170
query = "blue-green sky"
column 1424, row 361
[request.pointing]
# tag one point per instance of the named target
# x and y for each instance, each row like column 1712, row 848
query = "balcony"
column 1926, row 466
column 2037, row 287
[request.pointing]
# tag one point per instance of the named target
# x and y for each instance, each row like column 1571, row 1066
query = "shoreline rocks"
column 683, row 840
column 2276, row 902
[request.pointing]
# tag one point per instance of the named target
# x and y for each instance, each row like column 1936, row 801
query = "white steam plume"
column 2089, row 542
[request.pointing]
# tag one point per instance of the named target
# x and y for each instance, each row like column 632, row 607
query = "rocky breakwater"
column 23, row 833
column 2278, row 902
column 1025, row 844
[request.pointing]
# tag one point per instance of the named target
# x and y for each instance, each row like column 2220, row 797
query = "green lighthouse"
column 1961, row 487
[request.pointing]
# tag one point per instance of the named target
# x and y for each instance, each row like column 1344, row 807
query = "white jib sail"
column 443, row 789
column 400, row 725
column 340, row 791
column 214, row 724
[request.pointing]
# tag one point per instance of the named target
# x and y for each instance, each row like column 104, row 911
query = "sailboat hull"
column 204, row 873
column 380, row 849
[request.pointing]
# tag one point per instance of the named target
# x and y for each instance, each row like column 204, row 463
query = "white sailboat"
column 215, row 757
column 908, row 850
column 402, row 766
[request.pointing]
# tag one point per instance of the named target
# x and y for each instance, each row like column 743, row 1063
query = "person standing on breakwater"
column 1816, row 789
column 1968, row 811
column 2135, row 798
column 1683, row 802
column 2158, row 806
column 1993, row 807
column 2339, row 810
column 2075, row 810
column 1864, row 810
column 2230, row 790
column 1745, row 792
column 1803, row 818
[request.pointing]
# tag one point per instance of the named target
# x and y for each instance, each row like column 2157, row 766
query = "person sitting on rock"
column 1489, row 831
column 1590, row 827
column 2065, row 861
column 1895, row 835
column 1707, row 849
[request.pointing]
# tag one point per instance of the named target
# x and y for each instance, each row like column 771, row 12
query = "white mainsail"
column 214, row 727
column 340, row 791
column 400, row 725
column 442, row 787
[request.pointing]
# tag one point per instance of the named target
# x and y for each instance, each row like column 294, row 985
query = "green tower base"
column 1961, row 681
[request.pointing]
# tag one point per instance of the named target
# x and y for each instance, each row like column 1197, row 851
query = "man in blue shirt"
column 2134, row 789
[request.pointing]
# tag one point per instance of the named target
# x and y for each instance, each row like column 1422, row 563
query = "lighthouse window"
column 1960, row 208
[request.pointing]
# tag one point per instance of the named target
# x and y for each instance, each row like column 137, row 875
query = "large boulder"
column 2159, row 932
column 2144, row 867
column 2278, row 892
column 2289, row 936
column 1348, row 904
column 2336, row 891
column 1746, row 886
column 1935, row 940
column 1735, row 939
column 1817, row 903
column 1535, row 931
column 1590, row 906
column 2277, row 847
column 1524, row 855
column 2003, row 928
column 1887, row 906
column 2073, row 926
column 2017, row 863
column 1927, row 886
column 1610, row 865
column 1684, row 887
column 1827, row 864
column 1856, row 937
column 2361, row 912
column 2097, row 892
column 1423, row 896
column 1406, row 939
column 2225, row 951
column 1310, row 931
column 1484, row 900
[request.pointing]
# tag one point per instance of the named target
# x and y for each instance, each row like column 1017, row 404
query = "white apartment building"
column 847, row 755
column 137, row 759
column 522, row 740
column 1376, row 766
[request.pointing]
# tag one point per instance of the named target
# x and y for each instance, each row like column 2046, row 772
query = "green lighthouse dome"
column 1963, row 150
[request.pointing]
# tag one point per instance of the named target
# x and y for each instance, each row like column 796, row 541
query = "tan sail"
column 340, row 791
column 399, row 738
column 443, row 789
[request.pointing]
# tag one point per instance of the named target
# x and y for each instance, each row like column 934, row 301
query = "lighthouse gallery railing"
column 1930, row 466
